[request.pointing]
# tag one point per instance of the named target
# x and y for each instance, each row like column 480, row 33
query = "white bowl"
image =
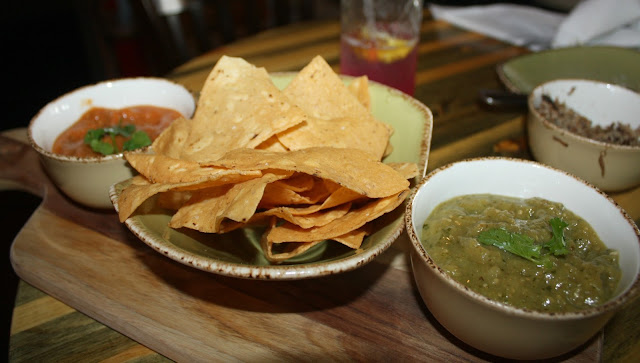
column 494, row 327
column 87, row 180
column 608, row 166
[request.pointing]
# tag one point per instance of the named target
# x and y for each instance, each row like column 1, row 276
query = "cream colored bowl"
column 494, row 327
column 608, row 166
column 87, row 180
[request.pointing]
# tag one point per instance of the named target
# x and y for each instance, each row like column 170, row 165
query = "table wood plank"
column 190, row 315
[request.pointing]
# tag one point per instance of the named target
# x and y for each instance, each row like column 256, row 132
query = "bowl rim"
column 102, row 158
column 579, row 138
column 418, row 249
column 302, row 271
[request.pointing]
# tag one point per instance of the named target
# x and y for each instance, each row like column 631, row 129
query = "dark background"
column 41, row 60
column 44, row 56
column 51, row 47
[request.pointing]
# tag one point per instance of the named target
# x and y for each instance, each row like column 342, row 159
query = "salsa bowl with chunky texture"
column 87, row 179
column 606, row 154
column 494, row 326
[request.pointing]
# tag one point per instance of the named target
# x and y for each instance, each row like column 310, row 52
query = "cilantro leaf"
column 518, row 244
column 557, row 244
column 102, row 147
column 524, row 246
column 93, row 135
column 138, row 139
column 128, row 130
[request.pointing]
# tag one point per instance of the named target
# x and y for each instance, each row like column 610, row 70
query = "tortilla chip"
column 359, row 87
column 388, row 150
column 354, row 238
column 339, row 196
column 272, row 144
column 239, row 107
column 282, row 194
column 142, row 189
column 305, row 161
column 407, row 170
column 173, row 200
column 170, row 141
column 355, row 219
column 299, row 182
column 137, row 193
column 288, row 251
column 163, row 169
column 207, row 208
column 310, row 220
column 343, row 132
column 320, row 92
column 351, row 168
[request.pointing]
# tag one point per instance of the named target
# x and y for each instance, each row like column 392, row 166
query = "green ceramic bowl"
column 239, row 254
column 598, row 63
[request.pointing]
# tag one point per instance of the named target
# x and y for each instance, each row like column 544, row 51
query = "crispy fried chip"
column 340, row 132
column 239, row 107
column 288, row 251
column 309, row 220
column 349, row 230
column 281, row 193
column 169, row 142
column 137, row 193
column 163, row 169
column 340, row 196
column 350, row 168
column 354, row 238
column 319, row 91
column 173, row 199
column 407, row 170
column 207, row 208
column 304, row 161
column 272, row 144
column 142, row 189
column 355, row 219
column 359, row 87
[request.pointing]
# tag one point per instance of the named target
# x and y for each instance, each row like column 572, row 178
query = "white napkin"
column 590, row 22
column 601, row 22
column 516, row 24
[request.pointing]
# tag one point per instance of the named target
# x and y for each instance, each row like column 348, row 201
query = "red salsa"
column 150, row 119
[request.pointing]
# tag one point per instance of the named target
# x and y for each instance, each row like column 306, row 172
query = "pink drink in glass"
column 387, row 59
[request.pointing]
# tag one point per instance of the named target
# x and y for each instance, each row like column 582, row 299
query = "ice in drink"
column 384, row 58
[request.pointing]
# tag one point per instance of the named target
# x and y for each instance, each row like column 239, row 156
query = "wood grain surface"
column 89, row 261
column 91, row 291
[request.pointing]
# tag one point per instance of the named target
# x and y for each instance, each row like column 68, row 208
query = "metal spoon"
column 503, row 99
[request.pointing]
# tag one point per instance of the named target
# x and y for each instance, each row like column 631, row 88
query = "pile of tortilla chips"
column 304, row 161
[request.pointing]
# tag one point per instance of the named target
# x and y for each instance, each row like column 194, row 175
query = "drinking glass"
column 379, row 39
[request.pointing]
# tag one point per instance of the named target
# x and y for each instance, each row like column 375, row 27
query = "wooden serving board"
column 88, row 260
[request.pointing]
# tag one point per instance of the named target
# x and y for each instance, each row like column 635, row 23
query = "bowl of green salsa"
column 518, row 259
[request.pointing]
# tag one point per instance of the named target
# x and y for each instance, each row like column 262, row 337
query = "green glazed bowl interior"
column 239, row 254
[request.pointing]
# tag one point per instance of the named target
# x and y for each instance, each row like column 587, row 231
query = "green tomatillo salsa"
column 529, row 253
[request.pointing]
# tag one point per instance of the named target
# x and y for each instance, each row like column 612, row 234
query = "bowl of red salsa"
column 81, row 136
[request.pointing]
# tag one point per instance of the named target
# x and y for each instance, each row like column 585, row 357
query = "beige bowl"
column 608, row 166
column 87, row 180
column 494, row 327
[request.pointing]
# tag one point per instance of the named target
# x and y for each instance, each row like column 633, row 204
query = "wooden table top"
column 249, row 320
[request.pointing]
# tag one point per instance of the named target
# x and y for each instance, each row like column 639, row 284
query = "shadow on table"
column 17, row 208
